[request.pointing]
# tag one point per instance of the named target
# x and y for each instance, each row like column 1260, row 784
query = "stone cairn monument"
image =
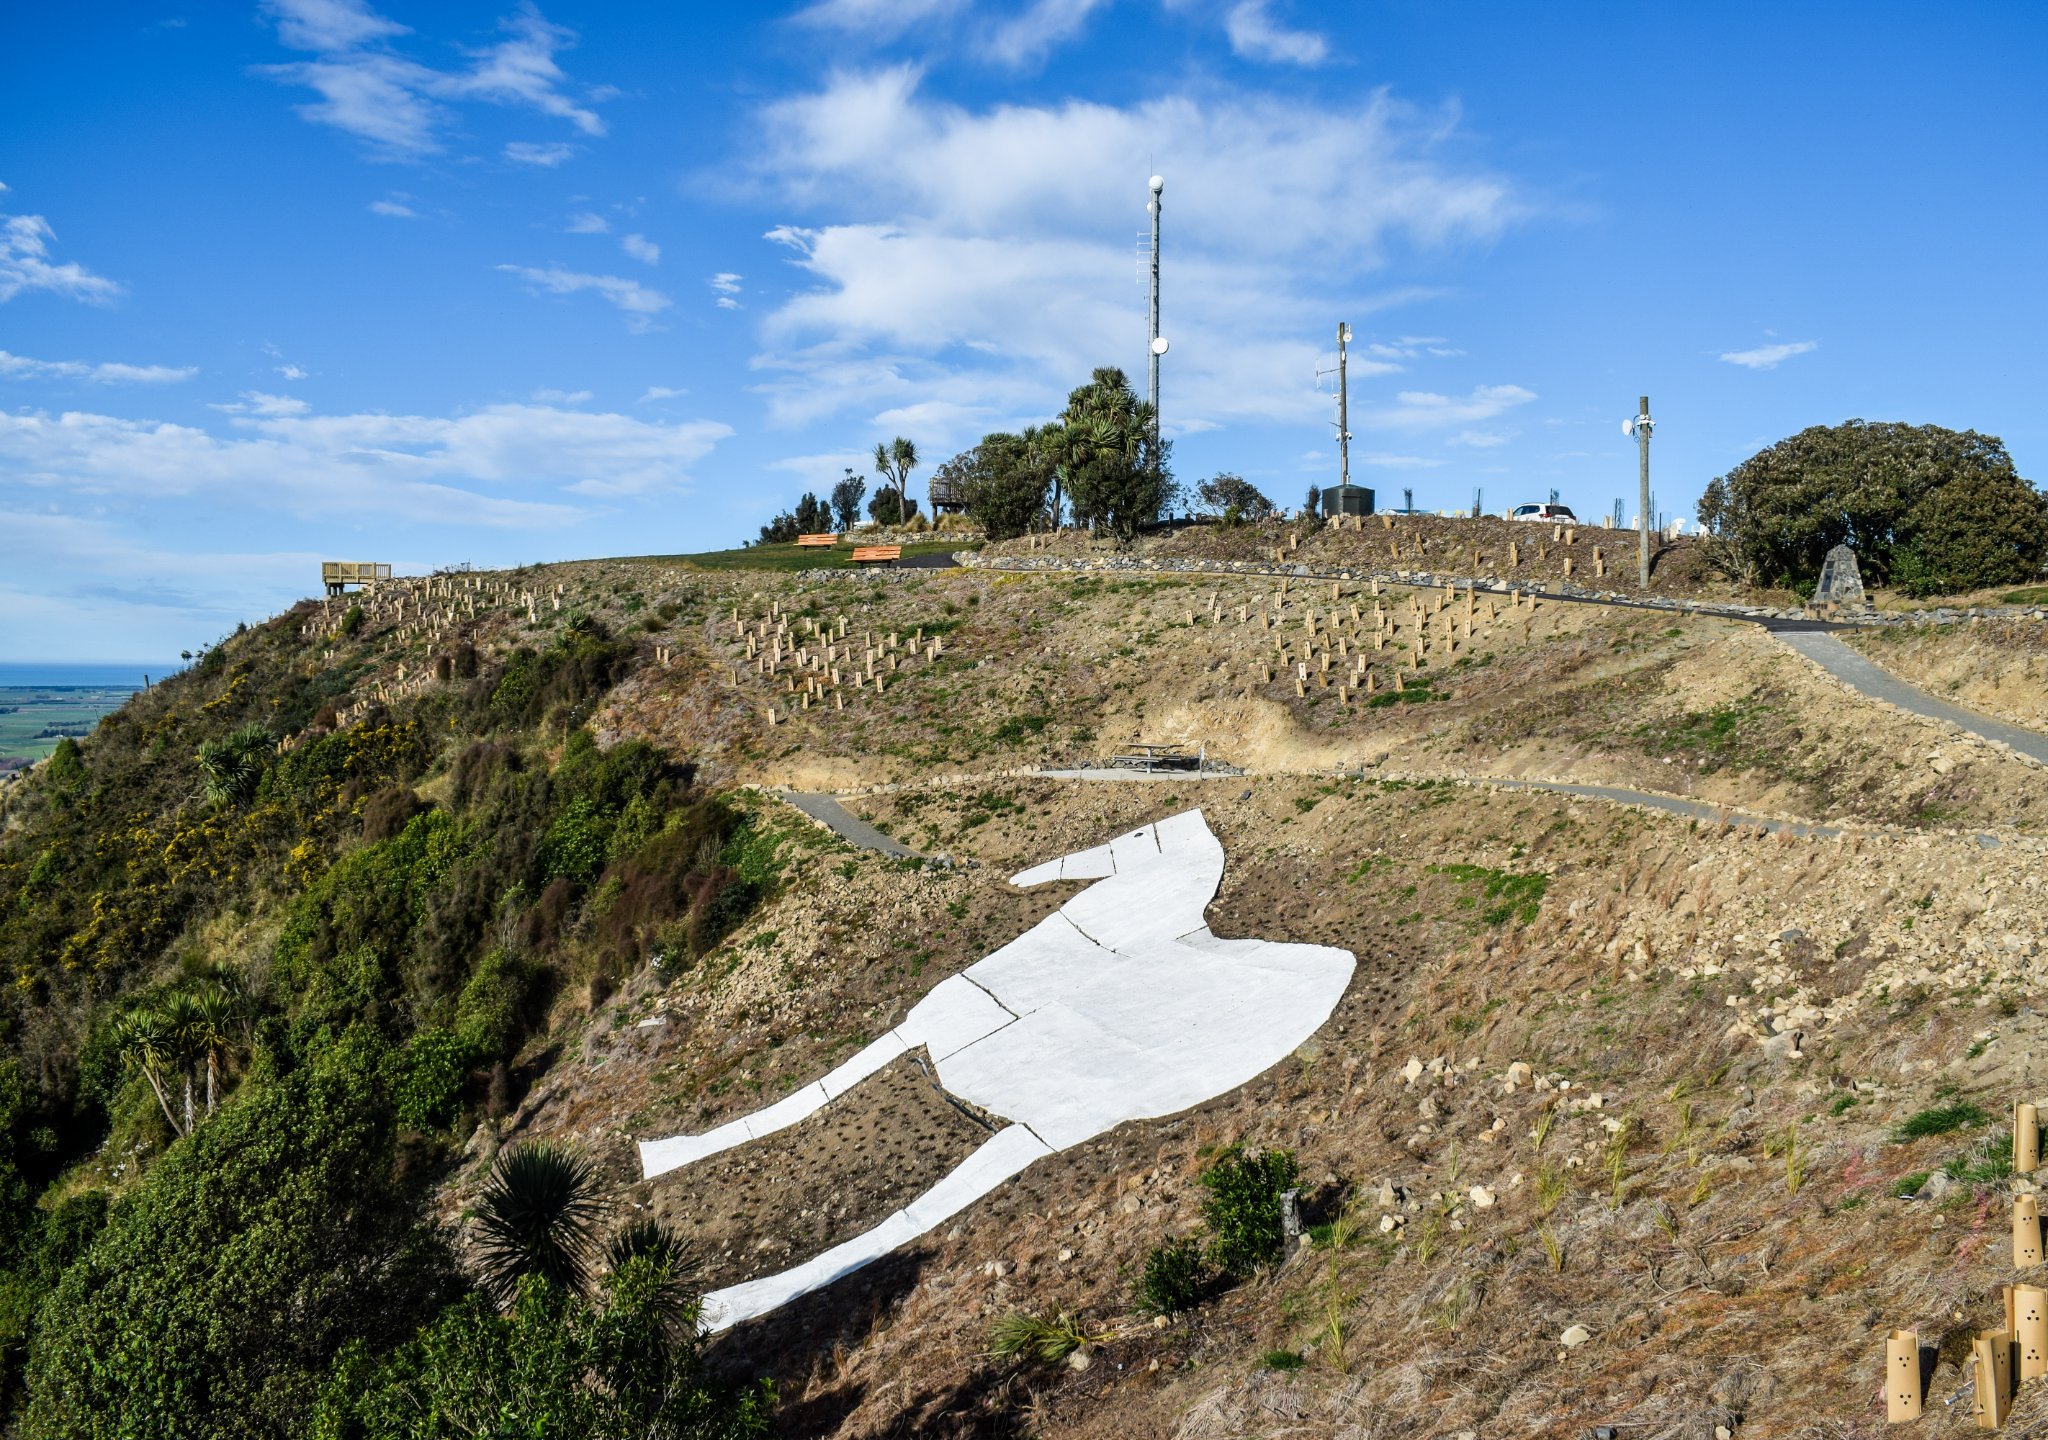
column 1841, row 583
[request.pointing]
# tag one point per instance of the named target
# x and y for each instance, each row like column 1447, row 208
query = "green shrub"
column 1176, row 1278
column 428, row 1094
column 1284, row 1360
column 352, row 621
column 1243, row 1208
column 492, row 1012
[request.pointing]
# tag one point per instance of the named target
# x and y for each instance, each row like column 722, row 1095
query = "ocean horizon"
column 85, row 674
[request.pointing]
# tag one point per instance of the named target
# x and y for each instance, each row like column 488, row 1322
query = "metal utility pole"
column 1343, row 405
column 1644, row 424
column 1155, row 346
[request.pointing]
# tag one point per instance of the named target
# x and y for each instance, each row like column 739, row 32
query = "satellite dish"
column 1628, row 426
column 1347, row 335
column 1159, row 345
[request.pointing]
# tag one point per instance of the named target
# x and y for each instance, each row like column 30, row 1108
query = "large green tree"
column 1004, row 480
column 1932, row 510
column 1114, row 465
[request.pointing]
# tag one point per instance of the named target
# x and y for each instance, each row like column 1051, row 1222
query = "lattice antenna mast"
column 1155, row 342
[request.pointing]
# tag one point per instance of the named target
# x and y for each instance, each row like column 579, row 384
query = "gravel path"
column 1878, row 683
column 846, row 825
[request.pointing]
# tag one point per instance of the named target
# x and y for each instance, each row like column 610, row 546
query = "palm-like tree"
column 215, row 1021
column 536, row 1217
column 148, row 1041
column 894, row 462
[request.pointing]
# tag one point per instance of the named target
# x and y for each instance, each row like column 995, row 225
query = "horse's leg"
column 1001, row 1156
column 657, row 1156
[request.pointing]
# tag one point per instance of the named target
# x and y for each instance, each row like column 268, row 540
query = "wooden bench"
column 814, row 542
column 877, row 554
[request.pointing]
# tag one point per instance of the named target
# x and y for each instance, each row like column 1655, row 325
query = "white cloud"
column 661, row 392
column 397, row 210
column 25, row 264
column 641, row 249
column 547, row 156
column 399, row 105
column 1769, row 357
column 1400, row 462
column 1043, row 25
column 257, row 402
column 1256, row 35
column 639, row 303
column 875, row 19
column 821, row 472
column 1481, row 439
column 293, row 372
column 588, row 224
column 1424, row 410
column 561, row 397
column 109, row 372
column 726, row 285
column 507, row 466
column 329, row 24
column 952, row 227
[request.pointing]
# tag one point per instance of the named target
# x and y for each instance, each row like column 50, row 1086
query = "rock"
column 1389, row 1224
column 1518, row 1076
column 1784, row 1045
column 1574, row 1336
column 1938, row 1184
column 1081, row 1359
column 1412, row 1071
column 1940, row 764
column 1065, row 1256
column 1482, row 1198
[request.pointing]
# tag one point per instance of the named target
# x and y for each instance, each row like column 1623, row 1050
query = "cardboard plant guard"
column 2026, row 1232
column 2026, row 1139
column 1992, row 1356
column 1902, row 1376
column 2029, row 1307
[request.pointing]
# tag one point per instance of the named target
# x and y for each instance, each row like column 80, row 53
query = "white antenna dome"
column 1159, row 345
column 1158, row 183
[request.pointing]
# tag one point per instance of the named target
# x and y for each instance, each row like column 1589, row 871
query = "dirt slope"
column 1755, row 1018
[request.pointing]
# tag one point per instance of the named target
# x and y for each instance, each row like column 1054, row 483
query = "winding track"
column 1810, row 638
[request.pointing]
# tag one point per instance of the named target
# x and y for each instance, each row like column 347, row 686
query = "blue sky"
column 498, row 283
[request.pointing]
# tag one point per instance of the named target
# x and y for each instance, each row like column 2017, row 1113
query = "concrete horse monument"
column 1120, row 1005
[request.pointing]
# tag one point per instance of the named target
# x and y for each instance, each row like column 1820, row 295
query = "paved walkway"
column 1874, row 680
column 845, row 824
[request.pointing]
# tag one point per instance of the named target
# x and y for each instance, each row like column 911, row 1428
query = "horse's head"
column 1158, row 879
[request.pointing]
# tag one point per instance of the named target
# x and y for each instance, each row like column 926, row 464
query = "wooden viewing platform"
column 338, row 575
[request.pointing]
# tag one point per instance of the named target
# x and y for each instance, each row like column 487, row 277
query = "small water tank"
column 1347, row 500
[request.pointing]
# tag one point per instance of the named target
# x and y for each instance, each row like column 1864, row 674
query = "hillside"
column 504, row 864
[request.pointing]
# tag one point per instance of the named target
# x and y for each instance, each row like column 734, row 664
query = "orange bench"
column 816, row 541
column 877, row 554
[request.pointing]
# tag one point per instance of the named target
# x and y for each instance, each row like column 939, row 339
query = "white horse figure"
column 1120, row 1005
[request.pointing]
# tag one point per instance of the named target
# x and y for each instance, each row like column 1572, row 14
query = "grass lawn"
column 790, row 557
column 2036, row 596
